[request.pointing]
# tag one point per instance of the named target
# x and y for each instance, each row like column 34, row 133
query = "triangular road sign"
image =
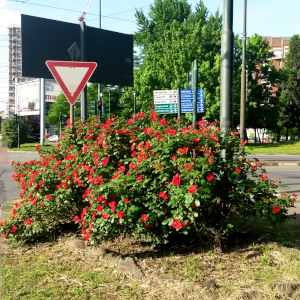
column 71, row 76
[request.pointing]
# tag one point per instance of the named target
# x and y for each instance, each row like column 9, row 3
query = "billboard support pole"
column 99, row 84
column 71, row 115
column 178, row 108
column 83, row 58
column 42, row 110
column 195, row 88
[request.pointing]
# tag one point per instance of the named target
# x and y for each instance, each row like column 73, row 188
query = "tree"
column 261, row 105
column 171, row 39
column 290, row 86
column 10, row 133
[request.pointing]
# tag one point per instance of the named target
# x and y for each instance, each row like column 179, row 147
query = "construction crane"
column 81, row 18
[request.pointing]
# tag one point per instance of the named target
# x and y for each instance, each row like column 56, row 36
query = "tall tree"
column 290, row 86
column 171, row 39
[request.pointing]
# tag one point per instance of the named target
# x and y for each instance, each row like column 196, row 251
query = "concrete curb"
column 21, row 151
column 277, row 163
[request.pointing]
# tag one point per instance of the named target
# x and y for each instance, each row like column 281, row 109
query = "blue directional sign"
column 186, row 97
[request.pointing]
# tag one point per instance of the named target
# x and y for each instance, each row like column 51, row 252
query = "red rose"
column 139, row 177
column 28, row 222
column 238, row 170
column 148, row 226
column 264, row 176
column 174, row 157
column 235, row 133
column 99, row 208
column 4, row 235
column 144, row 218
column 100, row 199
column 105, row 216
column 178, row 226
column 184, row 223
column 211, row 161
column 48, row 197
column 13, row 229
column 210, row 177
column 120, row 215
column 176, row 180
column 193, row 189
column 75, row 218
column 276, row 209
column 126, row 201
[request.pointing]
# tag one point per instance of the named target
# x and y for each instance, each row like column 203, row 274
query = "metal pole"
column 83, row 58
column 243, row 80
column 18, row 134
column 226, row 67
column 134, row 103
column 42, row 110
column 195, row 87
column 72, row 115
column 178, row 108
column 109, row 112
column 99, row 85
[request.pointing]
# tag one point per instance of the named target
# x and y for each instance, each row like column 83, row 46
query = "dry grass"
column 53, row 270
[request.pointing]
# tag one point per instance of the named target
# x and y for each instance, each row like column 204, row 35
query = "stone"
column 252, row 254
column 286, row 287
column 251, row 295
column 113, row 259
column 129, row 266
column 98, row 251
column 76, row 244
column 209, row 284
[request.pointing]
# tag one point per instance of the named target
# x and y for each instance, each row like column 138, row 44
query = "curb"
column 277, row 163
column 21, row 151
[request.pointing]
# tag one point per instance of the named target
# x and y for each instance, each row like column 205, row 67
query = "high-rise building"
column 15, row 66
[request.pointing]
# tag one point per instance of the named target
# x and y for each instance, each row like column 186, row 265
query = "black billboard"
column 45, row 39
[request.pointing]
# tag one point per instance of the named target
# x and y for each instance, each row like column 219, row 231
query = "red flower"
column 194, row 205
column 176, row 180
column 189, row 167
column 163, row 195
column 210, row 177
column 48, row 197
column 235, row 133
column 144, row 218
column 4, row 235
column 120, row 215
column 178, row 226
column 264, row 176
column 12, row 162
column 244, row 143
column 28, row 222
column 174, row 157
column 238, row 170
column 139, row 177
column 105, row 216
column 294, row 195
column 162, row 121
column 75, row 218
column 112, row 204
column 126, row 201
column 13, row 229
column 99, row 208
column 295, row 215
column 184, row 223
column 276, row 209
column 211, row 161
column 105, row 161
column 193, row 189
column 100, row 199
column 152, row 107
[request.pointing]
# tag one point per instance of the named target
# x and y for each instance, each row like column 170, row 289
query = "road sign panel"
column 187, row 98
column 71, row 76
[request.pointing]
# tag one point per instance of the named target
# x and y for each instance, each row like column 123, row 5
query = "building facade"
column 280, row 47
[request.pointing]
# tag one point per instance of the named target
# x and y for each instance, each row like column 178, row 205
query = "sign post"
column 72, row 77
column 165, row 101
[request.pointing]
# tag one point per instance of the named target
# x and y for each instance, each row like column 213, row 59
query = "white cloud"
column 8, row 17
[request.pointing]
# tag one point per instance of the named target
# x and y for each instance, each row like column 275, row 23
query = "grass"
column 31, row 147
column 53, row 270
column 285, row 147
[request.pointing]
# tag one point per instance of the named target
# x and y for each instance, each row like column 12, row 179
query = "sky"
column 275, row 18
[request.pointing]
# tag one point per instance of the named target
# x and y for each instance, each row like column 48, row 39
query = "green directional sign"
column 166, row 108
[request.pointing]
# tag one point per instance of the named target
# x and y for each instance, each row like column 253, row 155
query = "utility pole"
column 99, row 85
column 42, row 111
column 227, row 67
column 195, row 88
column 134, row 103
column 243, row 80
column 83, row 58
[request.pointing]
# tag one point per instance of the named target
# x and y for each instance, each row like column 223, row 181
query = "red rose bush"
column 141, row 176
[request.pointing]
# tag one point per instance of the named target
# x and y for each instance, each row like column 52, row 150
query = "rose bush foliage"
column 141, row 176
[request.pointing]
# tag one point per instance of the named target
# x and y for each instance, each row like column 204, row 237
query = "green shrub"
column 143, row 177
column 10, row 133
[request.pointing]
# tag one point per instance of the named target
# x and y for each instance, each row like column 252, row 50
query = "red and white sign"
column 72, row 76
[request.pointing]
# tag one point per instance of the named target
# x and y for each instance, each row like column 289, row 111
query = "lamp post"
column 134, row 103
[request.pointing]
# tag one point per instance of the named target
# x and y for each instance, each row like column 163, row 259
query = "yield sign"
column 71, row 76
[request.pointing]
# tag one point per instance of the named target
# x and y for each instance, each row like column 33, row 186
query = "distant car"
column 53, row 138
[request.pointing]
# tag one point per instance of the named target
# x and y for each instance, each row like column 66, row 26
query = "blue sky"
column 265, row 17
